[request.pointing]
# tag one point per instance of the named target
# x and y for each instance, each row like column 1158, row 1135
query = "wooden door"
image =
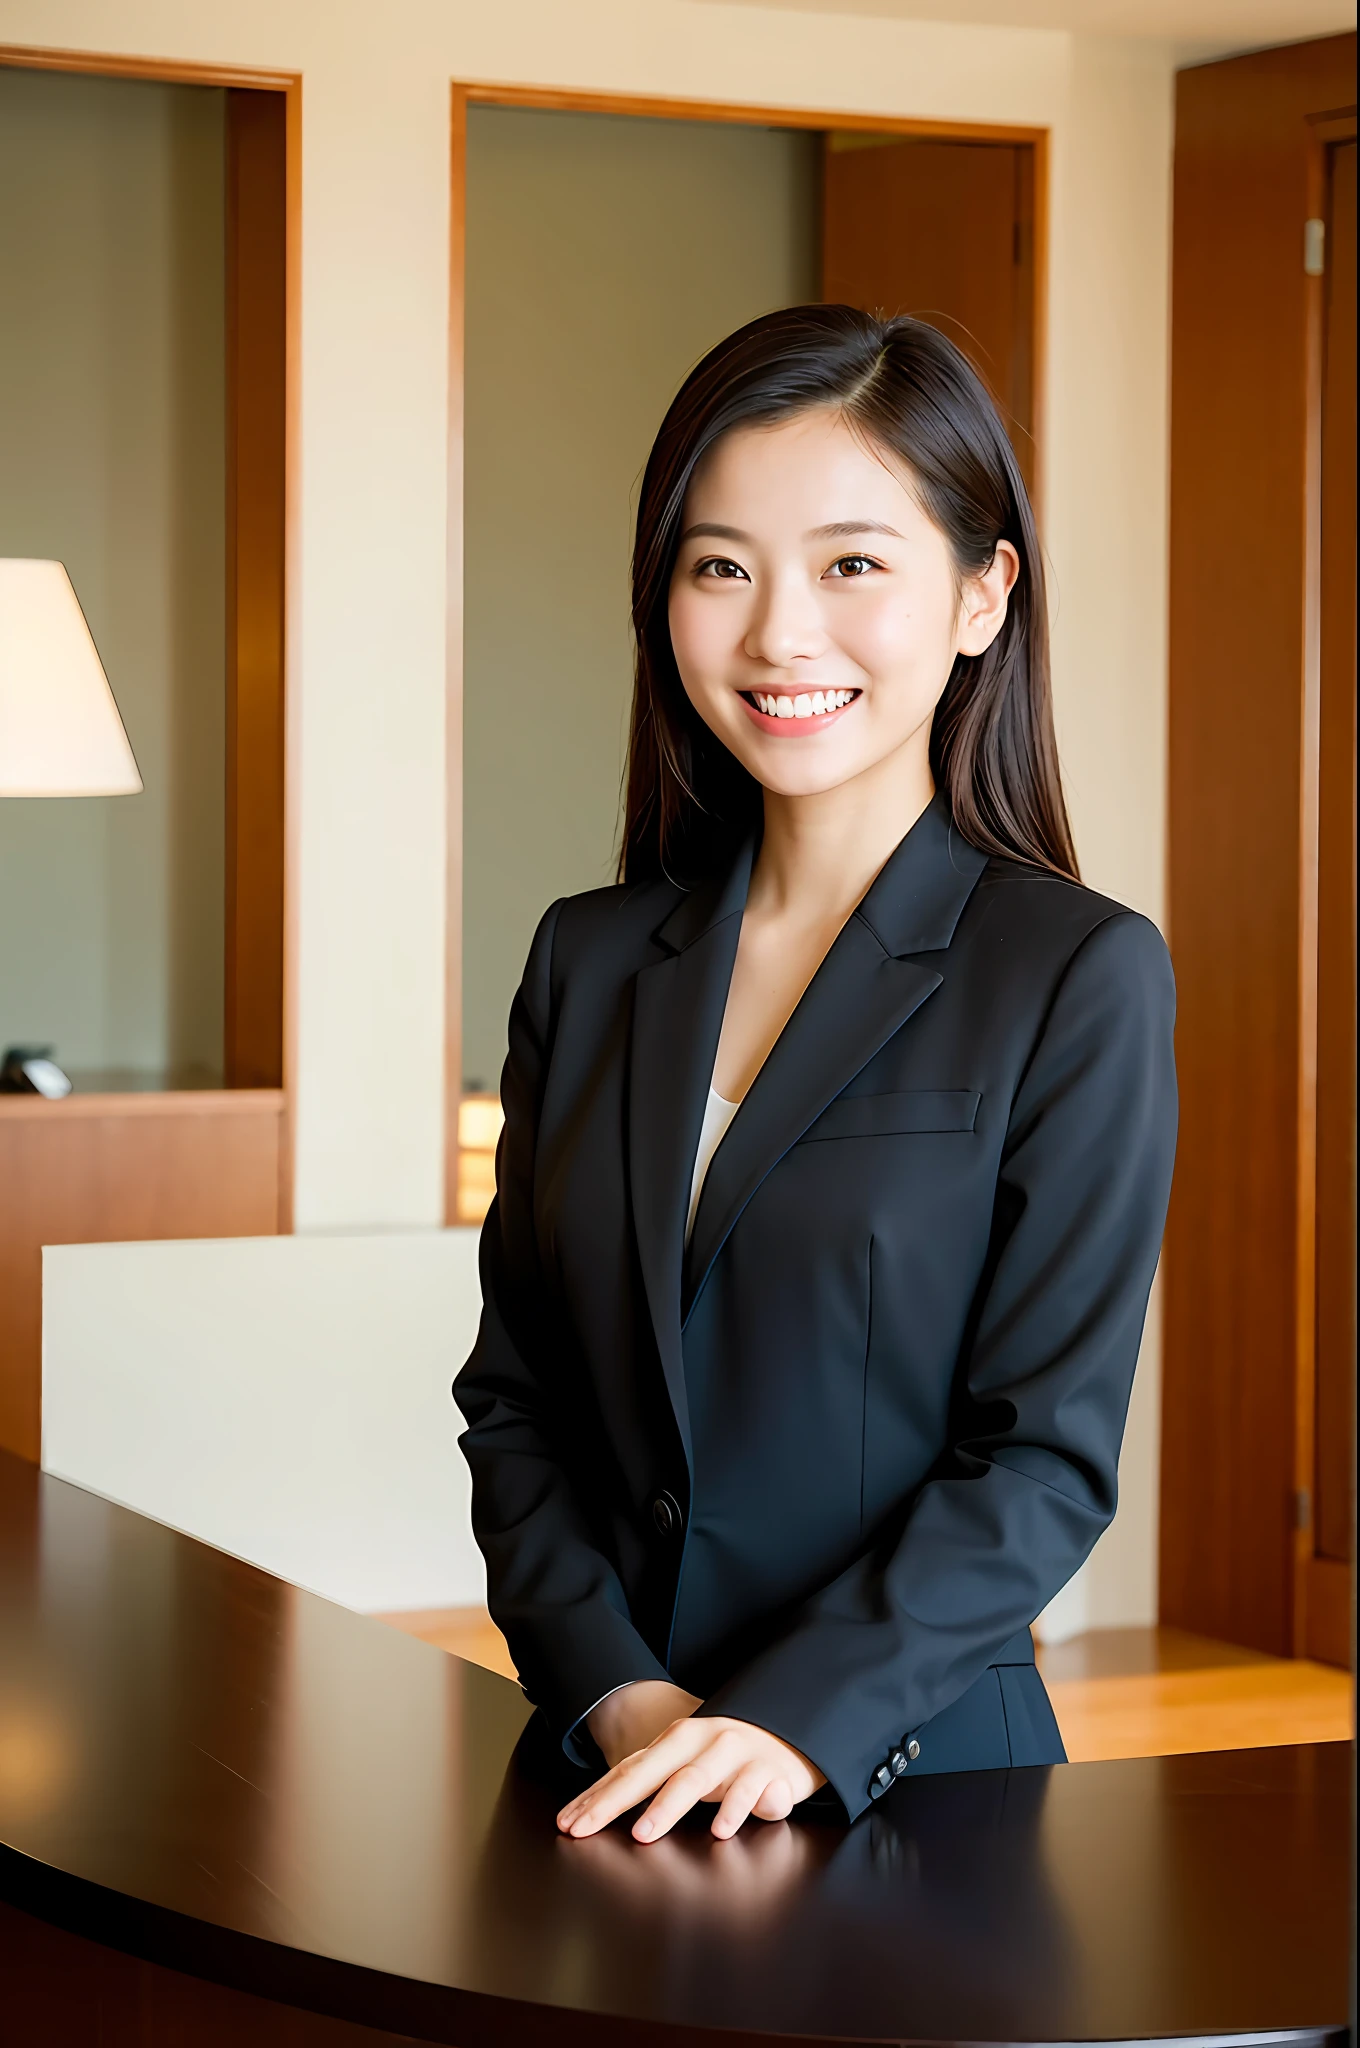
column 1327, row 1568
column 1247, row 876
column 256, row 355
column 944, row 231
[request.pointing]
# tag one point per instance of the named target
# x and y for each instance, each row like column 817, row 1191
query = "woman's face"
column 814, row 610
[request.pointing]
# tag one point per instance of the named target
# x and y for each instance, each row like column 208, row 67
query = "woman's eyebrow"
column 846, row 529
column 840, row 529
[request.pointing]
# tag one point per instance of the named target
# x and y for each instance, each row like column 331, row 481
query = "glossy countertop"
column 206, row 1767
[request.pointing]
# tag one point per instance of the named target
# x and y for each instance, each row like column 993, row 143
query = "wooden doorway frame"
column 466, row 93
column 172, row 71
column 1322, row 1588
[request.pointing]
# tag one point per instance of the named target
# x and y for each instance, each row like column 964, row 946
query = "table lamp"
column 60, row 732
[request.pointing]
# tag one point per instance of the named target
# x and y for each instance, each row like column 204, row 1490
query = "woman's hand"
column 745, row 1769
column 627, row 1720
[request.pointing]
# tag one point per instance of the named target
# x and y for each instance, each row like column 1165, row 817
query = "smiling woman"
column 896, row 430
column 838, row 1136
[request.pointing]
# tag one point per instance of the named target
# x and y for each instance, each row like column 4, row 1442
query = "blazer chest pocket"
column 915, row 1109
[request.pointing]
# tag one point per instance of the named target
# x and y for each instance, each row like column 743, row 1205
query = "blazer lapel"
column 677, row 1019
column 857, row 999
column 865, row 990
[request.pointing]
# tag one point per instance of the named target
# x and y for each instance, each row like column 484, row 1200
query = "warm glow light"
column 479, row 1122
column 35, row 1760
column 60, row 733
column 479, row 1127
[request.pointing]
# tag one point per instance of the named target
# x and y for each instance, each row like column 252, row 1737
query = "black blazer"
column 824, row 1469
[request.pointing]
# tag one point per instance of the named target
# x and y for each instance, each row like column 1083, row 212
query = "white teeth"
column 807, row 704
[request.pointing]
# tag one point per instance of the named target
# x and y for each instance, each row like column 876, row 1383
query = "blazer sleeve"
column 1042, row 1388
column 550, row 1588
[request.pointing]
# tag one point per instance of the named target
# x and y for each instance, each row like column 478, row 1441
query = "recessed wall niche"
column 112, row 423
column 148, row 289
column 135, row 450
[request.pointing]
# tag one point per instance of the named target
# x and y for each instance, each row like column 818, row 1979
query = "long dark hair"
column 910, row 391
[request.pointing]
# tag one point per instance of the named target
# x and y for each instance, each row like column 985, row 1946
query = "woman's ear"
column 982, row 609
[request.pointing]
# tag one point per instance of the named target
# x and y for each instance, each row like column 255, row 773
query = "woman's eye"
column 853, row 565
column 717, row 565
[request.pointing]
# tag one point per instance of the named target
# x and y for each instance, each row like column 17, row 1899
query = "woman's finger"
column 682, row 1790
column 740, row 1799
column 705, row 1776
column 582, row 1799
column 630, row 1782
column 775, row 1802
column 640, row 1767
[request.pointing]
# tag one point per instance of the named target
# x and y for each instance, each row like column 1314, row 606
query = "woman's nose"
column 787, row 623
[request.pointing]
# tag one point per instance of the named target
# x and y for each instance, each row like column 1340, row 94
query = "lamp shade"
column 60, row 733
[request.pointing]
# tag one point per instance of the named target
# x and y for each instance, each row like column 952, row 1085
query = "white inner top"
column 718, row 1114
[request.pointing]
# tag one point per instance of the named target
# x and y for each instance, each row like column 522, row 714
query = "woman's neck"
column 820, row 854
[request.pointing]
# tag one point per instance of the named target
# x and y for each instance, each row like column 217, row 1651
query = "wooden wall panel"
column 99, row 1169
column 1239, row 1247
column 257, row 285
column 943, row 231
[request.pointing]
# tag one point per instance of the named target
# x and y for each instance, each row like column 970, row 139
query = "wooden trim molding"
column 185, row 1102
column 1320, row 1621
column 292, row 637
column 257, row 371
column 453, row 695
column 1041, row 198
column 170, row 70
column 488, row 92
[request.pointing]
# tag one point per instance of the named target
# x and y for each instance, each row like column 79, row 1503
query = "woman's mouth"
column 791, row 714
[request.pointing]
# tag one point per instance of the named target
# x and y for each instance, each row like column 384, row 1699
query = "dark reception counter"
column 232, row 1811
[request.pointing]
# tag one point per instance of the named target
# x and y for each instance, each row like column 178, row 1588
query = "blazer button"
column 913, row 1749
column 666, row 1514
column 880, row 1782
column 897, row 1763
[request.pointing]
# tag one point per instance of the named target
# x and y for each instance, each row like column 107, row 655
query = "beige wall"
column 111, row 460
column 371, row 599
column 604, row 256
